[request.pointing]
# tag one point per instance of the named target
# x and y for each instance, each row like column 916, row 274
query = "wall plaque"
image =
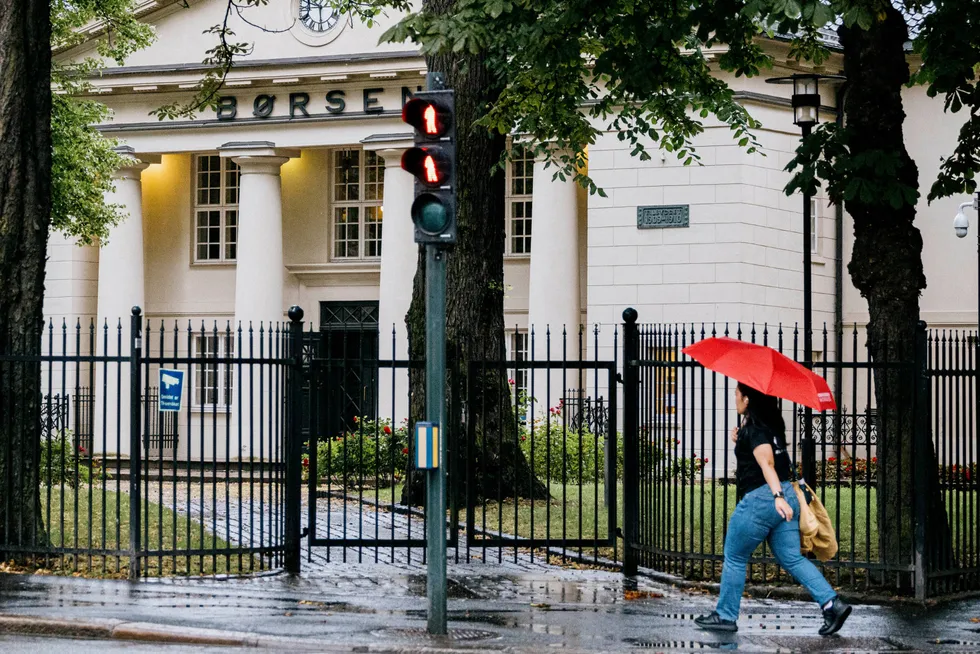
column 669, row 215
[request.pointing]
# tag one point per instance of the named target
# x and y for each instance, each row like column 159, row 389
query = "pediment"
column 274, row 32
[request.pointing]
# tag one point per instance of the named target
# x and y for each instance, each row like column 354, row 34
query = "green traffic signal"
column 429, row 214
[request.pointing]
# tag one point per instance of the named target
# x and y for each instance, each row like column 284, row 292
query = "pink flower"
column 511, row 382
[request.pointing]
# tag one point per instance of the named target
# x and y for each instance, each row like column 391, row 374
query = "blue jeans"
column 755, row 519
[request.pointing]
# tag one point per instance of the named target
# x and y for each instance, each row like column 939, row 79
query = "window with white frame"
column 214, row 381
column 518, row 352
column 814, row 226
column 358, row 193
column 520, row 188
column 216, row 184
column 665, row 380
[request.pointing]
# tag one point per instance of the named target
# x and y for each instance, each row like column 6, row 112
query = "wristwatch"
column 779, row 495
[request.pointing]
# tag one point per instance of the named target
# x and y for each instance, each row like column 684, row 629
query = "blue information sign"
column 171, row 389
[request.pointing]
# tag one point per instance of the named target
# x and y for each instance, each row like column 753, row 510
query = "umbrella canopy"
column 764, row 369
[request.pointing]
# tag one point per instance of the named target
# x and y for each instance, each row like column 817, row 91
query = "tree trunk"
column 25, row 203
column 475, row 296
column 886, row 267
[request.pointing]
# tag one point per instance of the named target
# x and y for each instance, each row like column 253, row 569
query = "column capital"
column 392, row 156
column 389, row 146
column 257, row 157
column 133, row 163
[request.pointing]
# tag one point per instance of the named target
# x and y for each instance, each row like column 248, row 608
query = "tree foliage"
column 575, row 69
column 83, row 160
column 648, row 71
column 949, row 44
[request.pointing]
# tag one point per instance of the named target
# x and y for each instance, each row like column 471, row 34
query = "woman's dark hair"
column 763, row 409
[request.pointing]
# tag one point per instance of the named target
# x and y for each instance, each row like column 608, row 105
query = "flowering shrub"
column 832, row 469
column 562, row 454
column 558, row 454
column 686, row 468
column 373, row 451
column 667, row 462
column 958, row 474
column 60, row 464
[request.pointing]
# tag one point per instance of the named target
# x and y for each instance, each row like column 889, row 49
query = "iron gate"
column 364, row 500
column 571, row 449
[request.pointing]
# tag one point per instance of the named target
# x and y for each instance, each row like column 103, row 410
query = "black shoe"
column 834, row 617
column 714, row 622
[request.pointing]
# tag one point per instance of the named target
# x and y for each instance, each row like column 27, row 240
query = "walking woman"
column 768, row 510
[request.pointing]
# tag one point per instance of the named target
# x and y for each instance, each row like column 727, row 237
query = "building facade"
column 291, row 194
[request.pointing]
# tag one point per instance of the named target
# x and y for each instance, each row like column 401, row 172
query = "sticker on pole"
column 426, row 445
column 171, row 389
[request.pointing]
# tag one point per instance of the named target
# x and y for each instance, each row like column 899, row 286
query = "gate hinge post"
column 294, row 445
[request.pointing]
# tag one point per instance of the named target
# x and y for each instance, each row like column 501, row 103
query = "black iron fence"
column 533, row 450
column 536, row 461
column 952, row 564
column 885, row 474
column 126, row 486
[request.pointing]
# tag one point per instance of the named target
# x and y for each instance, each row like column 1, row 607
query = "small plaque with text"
column 659, row 217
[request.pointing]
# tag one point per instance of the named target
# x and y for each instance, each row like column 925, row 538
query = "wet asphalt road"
column 563, row 609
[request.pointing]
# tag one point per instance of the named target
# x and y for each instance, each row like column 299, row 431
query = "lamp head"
column 961, row 224
column 806, row 100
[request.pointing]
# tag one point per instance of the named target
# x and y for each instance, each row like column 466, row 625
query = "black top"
column 748, row 473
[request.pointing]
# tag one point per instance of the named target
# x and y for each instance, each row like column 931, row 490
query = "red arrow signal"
column 428, row 164
column 427, row 116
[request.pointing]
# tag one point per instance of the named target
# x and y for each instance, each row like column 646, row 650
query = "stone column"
column 121, row 288
column 259, row 272
column 554, row 297
column 399, row 260
column 259, row 278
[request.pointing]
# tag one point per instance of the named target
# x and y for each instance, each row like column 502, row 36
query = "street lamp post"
column 806, row 114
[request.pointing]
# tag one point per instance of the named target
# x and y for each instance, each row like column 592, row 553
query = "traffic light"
column 433, row 162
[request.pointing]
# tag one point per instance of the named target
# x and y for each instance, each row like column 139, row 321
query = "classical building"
column 291, row 194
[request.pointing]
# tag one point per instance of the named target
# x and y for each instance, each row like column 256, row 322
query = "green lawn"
column 105, row 525
column 573, row 512
column 686, row 517
column 693, row 518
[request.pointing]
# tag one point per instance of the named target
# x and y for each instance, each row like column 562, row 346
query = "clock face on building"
column 317, row 15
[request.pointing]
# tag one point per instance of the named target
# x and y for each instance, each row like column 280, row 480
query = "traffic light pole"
column 435, row 402
column 433, row 162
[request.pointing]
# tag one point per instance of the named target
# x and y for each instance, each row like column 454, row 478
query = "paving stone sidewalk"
column 239, row 519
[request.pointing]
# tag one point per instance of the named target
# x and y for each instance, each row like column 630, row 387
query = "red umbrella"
column 765, row 370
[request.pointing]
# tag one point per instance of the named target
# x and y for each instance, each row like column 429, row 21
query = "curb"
column 798, row 593
column 111, row 629
column 149, row 632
